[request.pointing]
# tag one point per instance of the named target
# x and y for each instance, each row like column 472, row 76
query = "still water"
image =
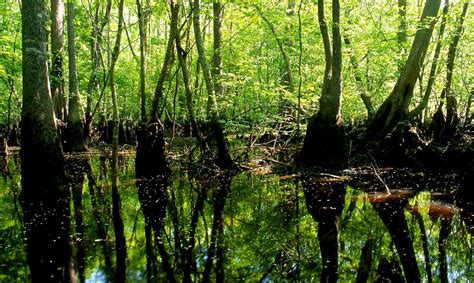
column 251, row 227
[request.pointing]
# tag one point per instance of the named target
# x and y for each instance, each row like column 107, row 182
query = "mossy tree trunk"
column 325, row 141
column 394, row 108
column 75, row 140
column 44, row 197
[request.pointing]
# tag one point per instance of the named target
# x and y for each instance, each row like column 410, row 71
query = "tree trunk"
column 391, row 211
column 394, row 108
column 325, row 204
column 224, row 160
column 98, row 25
column 434, row 67
column 402, row 31
column 325, row 142
column 151, row 168
column 452, row 119
column 219, row 199
column 469, row 115
column 143, row 52
column 57, row 50
column 44, row 196
column 120, row 243
column 366, row 99
column 75, row 141
column 217, row 55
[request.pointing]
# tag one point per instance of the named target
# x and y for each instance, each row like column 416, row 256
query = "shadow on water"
column 192, row 225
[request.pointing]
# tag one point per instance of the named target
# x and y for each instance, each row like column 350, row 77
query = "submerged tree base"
column 325, row 145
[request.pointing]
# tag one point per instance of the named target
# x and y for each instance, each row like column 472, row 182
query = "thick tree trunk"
column 44, row 196
column 394, row 108
column 57, row 50
column 75, row 140
column 325, row 142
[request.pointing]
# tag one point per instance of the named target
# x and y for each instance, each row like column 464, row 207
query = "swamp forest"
column 236, row 141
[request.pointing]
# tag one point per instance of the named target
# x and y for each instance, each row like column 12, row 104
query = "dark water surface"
column 256, row 227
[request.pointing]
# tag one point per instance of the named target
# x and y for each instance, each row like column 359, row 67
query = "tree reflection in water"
column 325, row 202
column 247, row 227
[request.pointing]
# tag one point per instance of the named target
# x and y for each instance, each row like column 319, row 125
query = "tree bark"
column 452, row 119
column 142, row 28
column 57, row 50
column 120, row 243
column 402, row 31
column 217, row 55
column 325, row 143
column 391, row 211
column 224, row 160
column 151, row 168
column 366, row 99
column 434, row 68
column 394, row 108
column 75, row 140
column 98, row 25
column 44, row 196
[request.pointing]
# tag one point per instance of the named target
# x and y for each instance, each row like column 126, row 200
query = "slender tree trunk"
column 391, row 211
column 151, row 168
column 189, row 96
column 394, row 108
column 44, row 197
column 217, row 55
column 444, row 232
column 452, row 119
column 325, row 142
column 121, row 247
column 143, row 53
column 98, row 25
column 75, row 171
column 402, row 31
column 57, row 50
column 287, row 77
column 219, row 200
column 424, row 241
column 434, row 67
column 366, row 99
column 75, row 140
column 224, row 159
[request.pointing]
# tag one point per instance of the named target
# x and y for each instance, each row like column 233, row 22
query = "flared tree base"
column 325, row 145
